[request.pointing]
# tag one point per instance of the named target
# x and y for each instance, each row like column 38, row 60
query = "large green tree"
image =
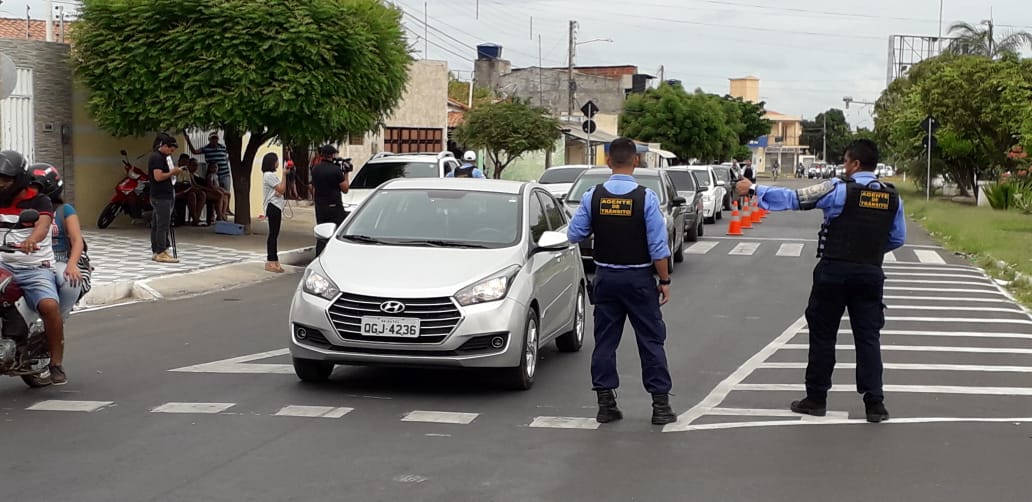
column 838, row 134
column 300, row 71
column 507, row 130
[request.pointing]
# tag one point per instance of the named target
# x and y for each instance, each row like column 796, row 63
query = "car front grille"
column 437, row 317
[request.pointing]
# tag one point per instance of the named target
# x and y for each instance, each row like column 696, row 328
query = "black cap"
column 328, row 150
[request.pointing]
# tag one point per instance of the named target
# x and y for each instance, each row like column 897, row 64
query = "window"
column 356, row 139
column 412, row 139
column 587, row 182
column 538, row 222
column 556, row 216
column 683, row 181
column 560, row 175
column 374, row 174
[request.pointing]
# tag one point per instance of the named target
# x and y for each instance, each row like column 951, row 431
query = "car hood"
column 355, row 196
column 411, row 271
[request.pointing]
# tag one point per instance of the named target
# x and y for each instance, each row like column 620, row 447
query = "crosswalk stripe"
column 951, row 283
column 944, row 334
column 962, row 299
column 932, row 274
column 922, row 348
column 206, row 408
column 564, row 423
column 313, row 411
column 945, row 290
column 918, row 389
column 790, row 250
column 914, row 367
column 440, row 417
column 745, row 249
column 890, row 257
column 701, row 247
column 952, row 309
column 62, row 405
column 928, row 256
column 750, row 412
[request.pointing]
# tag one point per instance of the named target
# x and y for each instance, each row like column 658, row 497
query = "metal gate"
column 17, row 124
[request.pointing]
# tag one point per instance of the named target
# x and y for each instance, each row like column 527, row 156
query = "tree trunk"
column 241, row 162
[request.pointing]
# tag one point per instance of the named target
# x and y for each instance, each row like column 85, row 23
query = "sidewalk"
column 124, row 271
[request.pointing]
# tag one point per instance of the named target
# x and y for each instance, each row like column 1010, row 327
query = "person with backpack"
column 469, row 167
column 73, row 282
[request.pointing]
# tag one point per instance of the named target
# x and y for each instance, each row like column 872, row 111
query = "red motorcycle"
column 131, row 196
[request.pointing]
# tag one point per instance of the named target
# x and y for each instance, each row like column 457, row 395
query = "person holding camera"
column 329, row 180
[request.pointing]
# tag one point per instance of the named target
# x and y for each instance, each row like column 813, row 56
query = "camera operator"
column 329, row 180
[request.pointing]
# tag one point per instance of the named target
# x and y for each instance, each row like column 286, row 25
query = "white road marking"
column 945, row 334
column 313, row 411
column 928, row 256
column 61, row 405
column 959, row 319
column 914, row 367
column 911, row 389
column 701, row 247
column 893, row 421
column 410, row 478
column 763, row 239
column 890, row 257
column 962, row 299
column 924, row 348
column 790, row 250
column 720, row 392
column 987, row 284
column 440, row 417
column 955, row 309
column 944, row 290
column 934, row 274
column 751, row 412
column 242, row 364
column 206, row 408
column 564, row 423
column 745, row 249
column 916, row 265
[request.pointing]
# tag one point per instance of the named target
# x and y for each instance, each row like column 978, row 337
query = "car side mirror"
column 325, row 231
column 552, row 241
column 28, row 217
column 679, row 201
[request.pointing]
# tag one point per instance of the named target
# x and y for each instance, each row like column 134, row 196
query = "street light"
column 607, row 40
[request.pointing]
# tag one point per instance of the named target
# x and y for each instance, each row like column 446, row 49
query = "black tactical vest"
column 618, row 222
column 860, row 233
column 464, row 172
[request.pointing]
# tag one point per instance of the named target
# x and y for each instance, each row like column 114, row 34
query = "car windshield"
column 702, row 177
column 373, row 175
column 437, row 218
column 560, row 175
column 683, row 180
column 584, row 183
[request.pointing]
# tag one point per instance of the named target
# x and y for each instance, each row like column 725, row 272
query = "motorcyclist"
column 33, row 267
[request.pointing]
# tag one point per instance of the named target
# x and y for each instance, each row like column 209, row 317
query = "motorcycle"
column 131, row 195
column 23, row 344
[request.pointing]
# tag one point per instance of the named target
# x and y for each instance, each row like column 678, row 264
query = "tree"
column 299, row 71
column 746, row 118
column 507, row 130
column 838, row 134
column 975, row 41
column 692, row 126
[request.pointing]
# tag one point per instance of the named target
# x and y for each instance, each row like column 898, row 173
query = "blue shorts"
column 37, row 283
column 225, row 181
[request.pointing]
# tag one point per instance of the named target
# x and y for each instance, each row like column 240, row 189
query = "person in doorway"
column 863, row 220
column 468, row 169
column 328, row 182
column 273, row 189
column 162, row 195
column 33, row 267
column 631, row 245
column 215, row 154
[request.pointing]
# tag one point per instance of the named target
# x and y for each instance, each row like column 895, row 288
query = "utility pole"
column 570, row 82
column 991, row 37
column 541, row 96
column 426, row 31
column 50, row 20
column 824, row 156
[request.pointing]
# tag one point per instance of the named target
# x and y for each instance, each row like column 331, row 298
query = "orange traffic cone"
column 734, row 227
column 763, row 212
column 746, row 214
column 757, row 213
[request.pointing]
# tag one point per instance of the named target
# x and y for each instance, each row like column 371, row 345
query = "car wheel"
column 521, row 377
column 711, row 219
column 700, row 229
column 309, row 370
column 694, row 233
column 679, row 254
column 719, row 216
column 572, row 341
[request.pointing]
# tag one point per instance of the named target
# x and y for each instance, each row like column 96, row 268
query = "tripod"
column 172, row 240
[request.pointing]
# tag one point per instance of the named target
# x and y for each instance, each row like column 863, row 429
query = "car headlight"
column 318, row 285
column 493, row 288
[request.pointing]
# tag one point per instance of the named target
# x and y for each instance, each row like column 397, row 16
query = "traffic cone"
column 763, row 212
column 757, row 213
column 734, row 227
column 746, row 214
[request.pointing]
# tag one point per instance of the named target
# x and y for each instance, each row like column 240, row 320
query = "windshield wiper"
column 444, row 244
column 363, row 238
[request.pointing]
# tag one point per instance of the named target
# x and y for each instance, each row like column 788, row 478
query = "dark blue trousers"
column 619, row 294
column 838, row 286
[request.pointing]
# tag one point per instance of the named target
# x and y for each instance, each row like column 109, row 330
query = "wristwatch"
column 663, row 282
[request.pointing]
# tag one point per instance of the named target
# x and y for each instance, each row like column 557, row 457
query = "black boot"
column 662, row 414
column 808, row 406
column 607, row 410
column 876, row 412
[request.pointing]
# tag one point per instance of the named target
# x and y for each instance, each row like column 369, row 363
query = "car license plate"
column 401, row 327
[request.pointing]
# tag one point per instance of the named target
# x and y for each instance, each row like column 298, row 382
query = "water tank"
column 489, row 51
column 673, row 81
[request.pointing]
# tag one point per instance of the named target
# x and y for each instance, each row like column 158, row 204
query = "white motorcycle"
column 23, row 344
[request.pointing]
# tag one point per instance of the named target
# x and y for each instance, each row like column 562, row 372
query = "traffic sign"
column 589, row 126
column 590, row 109
column 930, row 123
column 924, row 141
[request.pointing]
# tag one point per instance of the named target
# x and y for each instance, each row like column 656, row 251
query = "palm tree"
column 977, row 41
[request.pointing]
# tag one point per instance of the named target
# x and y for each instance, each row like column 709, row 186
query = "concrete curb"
column 108, row 294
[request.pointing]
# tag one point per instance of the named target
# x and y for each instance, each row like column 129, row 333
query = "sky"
column 808, row 54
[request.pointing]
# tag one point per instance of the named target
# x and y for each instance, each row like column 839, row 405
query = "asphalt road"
column 193, row 400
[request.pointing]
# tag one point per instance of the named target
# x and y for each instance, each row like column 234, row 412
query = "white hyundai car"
column 442, row 272
column 386, row 166
column 713, row 197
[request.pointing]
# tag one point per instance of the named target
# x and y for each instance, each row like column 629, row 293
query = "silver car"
column 442, row 272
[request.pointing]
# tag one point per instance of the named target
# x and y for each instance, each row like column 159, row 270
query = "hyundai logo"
column 392, row 307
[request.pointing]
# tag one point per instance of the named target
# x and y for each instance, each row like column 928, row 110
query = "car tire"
column 710, row 220
column 692, row 235
column 312, row 371
column 574, row 340
column 521, row 377
column 719, row 216
column 700, row 229
column 679, row 254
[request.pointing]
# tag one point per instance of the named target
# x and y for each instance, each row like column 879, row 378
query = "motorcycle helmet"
column 12, row 165
column 47, row 179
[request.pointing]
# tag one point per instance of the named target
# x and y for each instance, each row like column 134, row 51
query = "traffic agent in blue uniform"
column 863, row 220
column 630, row 249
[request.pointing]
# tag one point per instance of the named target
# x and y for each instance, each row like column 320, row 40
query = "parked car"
column 386, row 166
column 476, row 273
column 713, row 197
column 670, row 202
column 727, row 179
column 559, row 179
column 687, row 187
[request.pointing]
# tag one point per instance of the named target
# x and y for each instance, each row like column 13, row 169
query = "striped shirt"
column 15, row 234
column 218, row 155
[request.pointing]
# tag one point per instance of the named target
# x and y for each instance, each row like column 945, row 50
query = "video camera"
column 345, row 165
